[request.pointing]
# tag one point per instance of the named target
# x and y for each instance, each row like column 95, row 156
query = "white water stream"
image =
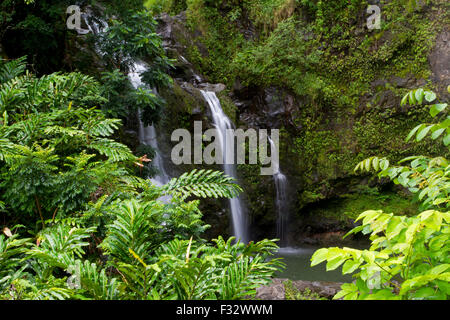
column 222, row 123
column 281, row 200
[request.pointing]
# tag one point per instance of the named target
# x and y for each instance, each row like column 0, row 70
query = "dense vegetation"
column 79, row 217
column 340, row 84
column 409, row 256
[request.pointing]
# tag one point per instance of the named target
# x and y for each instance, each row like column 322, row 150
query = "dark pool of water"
column 298, row 261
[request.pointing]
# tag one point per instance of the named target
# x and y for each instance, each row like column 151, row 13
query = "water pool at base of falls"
column 298, row 265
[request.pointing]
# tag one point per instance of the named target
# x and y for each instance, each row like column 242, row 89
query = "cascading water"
column 281, row 199
column 147, row 134
column 222, row 123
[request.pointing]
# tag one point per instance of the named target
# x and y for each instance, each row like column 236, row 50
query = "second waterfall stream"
column 222, row 123
column 281, row 201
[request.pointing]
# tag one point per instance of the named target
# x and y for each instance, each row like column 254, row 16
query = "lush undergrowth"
column 80, row 219
column 409, row 256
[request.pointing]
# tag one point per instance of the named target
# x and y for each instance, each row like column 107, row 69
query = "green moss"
column 330, row 59
column 292, row 293
column 180, row 106
column 228, row 106
column 352, row 205
column 322, row 53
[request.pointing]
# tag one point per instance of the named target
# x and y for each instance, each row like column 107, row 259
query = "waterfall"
column 147, row 134
column 281, row 199
column 222, row 123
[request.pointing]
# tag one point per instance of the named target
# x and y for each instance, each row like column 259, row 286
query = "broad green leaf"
column 367, row 165
column 447, row 140
column 404, row 99
column 350, row 266
column 375, row 163
column 439, row 269
column 423, row 132
column 384, row 164
column 436, row 108
column 368, row 256
column 319, row 256
column 413, row 131
column 437, row 133
column 335, row 262
column 419, row 95
column 412, row 98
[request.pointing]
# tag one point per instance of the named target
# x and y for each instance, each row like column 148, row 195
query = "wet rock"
column 276, row 290
column 217, row 87
column 269, row 107
column 439, row 61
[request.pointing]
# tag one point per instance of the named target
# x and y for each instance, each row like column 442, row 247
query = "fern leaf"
column 203, row 183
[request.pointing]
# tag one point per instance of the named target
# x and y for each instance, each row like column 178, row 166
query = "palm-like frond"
column 94, row 281
column 11, row 69
column 11, row 251
column 59, row 245
column 102, row 127
column 242, row 278
column 52, row 293
column 130, row 230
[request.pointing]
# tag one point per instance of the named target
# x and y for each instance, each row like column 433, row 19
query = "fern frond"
column 115, row 151
column 59, row 244
column 203, row 183
column 52, row 293
column 243, row 277
column 102, row 127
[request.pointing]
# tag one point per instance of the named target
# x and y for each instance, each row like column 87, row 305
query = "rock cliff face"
column 319, row 147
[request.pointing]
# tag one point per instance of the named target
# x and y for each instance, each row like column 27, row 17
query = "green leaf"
column 413, row 131
column 437, row 133
column 368, row 256
column 412, row 98
column 319, row 256
column 436, row 108
column 419, row 95
column 375, row 163
column 446, row 140
column 367, row 164
column 430, row 96
column 439, row 269
column 423, row 132
column 404, row 99
column 335, row 262
column 350, row 266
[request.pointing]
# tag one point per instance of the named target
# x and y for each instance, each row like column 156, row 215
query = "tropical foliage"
column 95, row 230
column 409, row 256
